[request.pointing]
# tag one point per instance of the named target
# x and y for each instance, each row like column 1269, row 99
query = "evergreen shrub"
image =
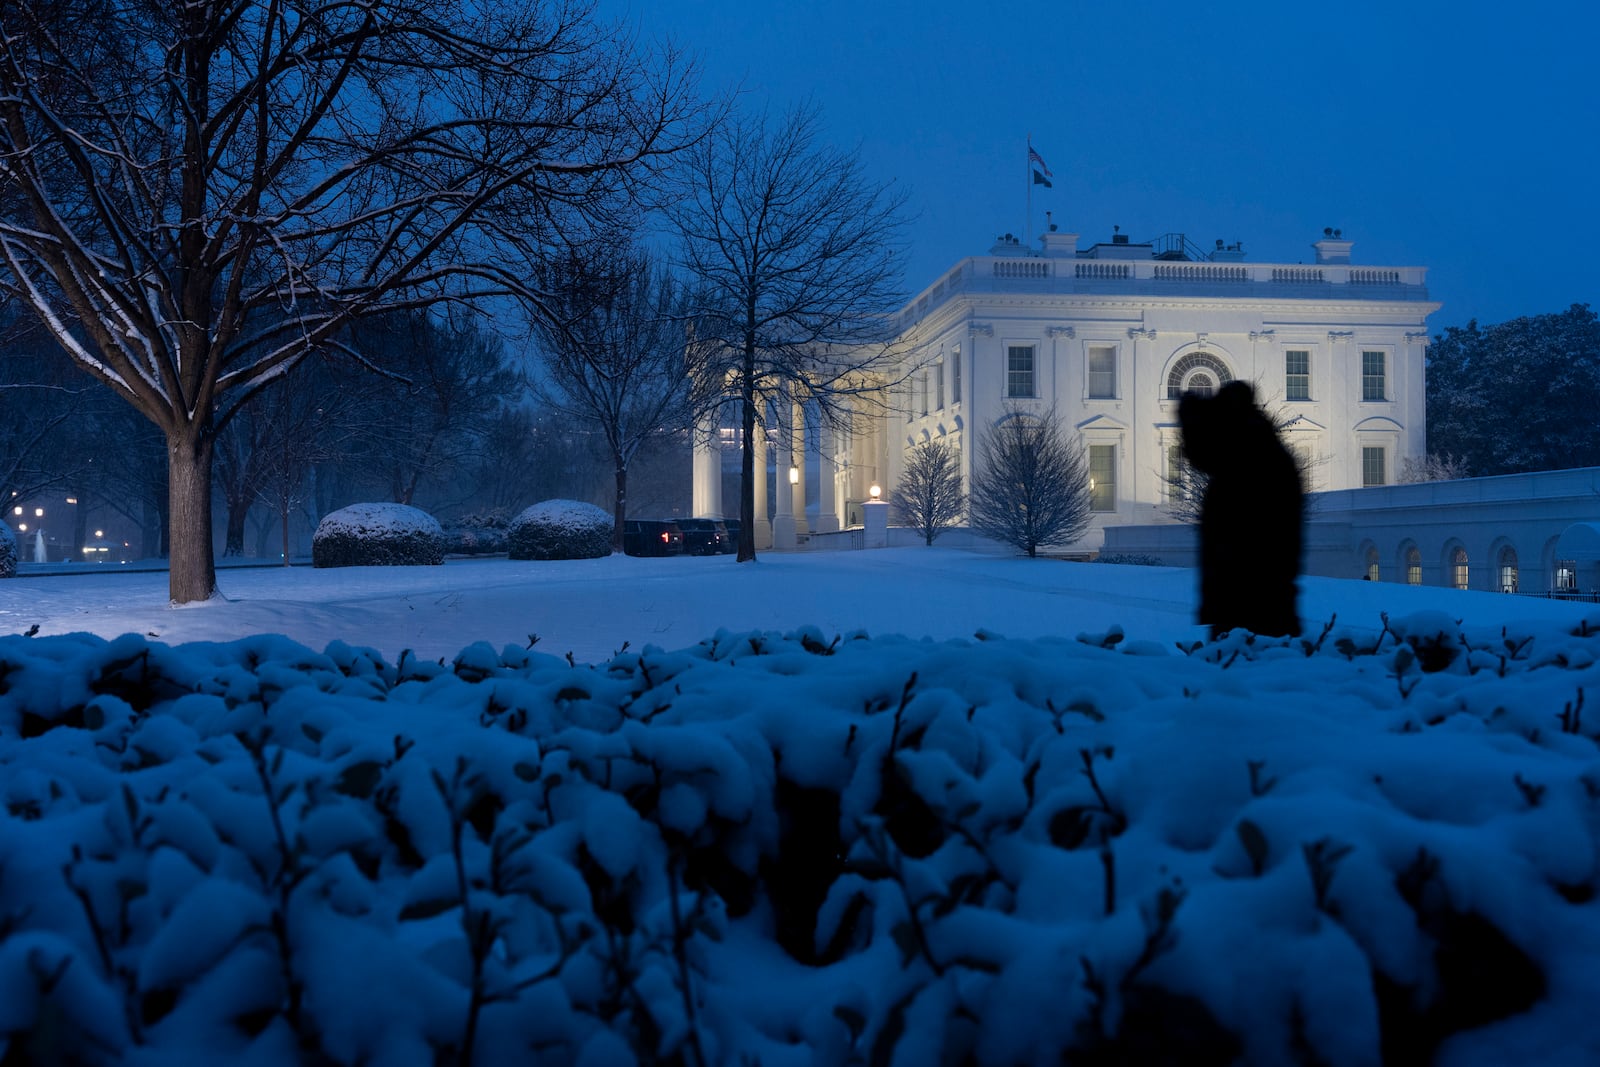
column 378, row 535
column 560, row 529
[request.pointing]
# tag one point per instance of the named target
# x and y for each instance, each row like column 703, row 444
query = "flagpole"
column 1027, row 177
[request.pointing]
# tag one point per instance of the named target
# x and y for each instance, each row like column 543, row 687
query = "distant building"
column 1109, row 336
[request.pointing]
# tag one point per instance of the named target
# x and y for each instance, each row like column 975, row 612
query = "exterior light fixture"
column 876, row 491
column 72, row 500
column 794, row 475
column 17, row 510
column 99, row 533
column 38, row 513
column 22, row 526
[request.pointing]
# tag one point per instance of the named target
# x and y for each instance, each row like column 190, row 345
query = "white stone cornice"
column 1061, row 331
column 976, row 328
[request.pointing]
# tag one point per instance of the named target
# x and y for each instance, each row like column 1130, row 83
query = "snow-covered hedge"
column 560, row 529
column 377, row 535
column 8, row 552
column 800, row 850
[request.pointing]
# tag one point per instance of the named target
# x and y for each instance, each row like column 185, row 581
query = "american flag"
column 1035, row 157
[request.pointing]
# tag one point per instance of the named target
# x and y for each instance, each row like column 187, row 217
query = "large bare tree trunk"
column 192, row 562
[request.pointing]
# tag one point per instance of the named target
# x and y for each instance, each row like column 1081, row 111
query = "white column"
column 827, row 479
column 783, row 527
column 802, row 525
column 707, row 496
column 763, row 534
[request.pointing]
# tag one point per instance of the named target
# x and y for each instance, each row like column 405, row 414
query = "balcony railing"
column 1152, row 277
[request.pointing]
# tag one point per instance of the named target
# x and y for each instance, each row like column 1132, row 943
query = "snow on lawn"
column 885, row 807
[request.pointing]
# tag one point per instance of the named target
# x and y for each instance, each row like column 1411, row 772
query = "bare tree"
column 214, row 189
column 1433, row 467
column 416, row 426
column 1030, row 486
column 929, row 497
column 796, row 258
column 613, row 354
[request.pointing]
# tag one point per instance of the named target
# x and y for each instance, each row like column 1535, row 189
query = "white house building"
column 1109, row 336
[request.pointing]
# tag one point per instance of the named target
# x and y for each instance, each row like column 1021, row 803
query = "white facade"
column 1110, row 335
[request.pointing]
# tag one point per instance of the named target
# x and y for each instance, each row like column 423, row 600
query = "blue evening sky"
column 1460, row 136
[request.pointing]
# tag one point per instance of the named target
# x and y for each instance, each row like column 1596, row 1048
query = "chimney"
column 1333, row 248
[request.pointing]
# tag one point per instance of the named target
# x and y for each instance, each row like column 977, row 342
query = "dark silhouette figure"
column 1251, row 515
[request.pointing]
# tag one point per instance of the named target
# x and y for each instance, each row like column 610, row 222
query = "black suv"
column 651, row 537
column 705, row 537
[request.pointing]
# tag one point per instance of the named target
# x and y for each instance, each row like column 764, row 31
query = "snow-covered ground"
column 895, row 806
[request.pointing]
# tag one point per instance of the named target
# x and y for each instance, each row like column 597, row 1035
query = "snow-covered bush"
column 478, row 534
column 8, row 552
column 560, row 529
column 794, row 849
column 377, row 535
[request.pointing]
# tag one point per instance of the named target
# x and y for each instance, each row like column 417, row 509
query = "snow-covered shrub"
column 560, row 529
column 8, row 552
column 377, row 535
column 478, row 534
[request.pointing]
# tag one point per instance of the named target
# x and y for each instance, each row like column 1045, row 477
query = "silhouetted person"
column 1251, row 515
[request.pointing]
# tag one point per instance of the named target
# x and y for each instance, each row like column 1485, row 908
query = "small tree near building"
column 1030, row 486
column 929, row 497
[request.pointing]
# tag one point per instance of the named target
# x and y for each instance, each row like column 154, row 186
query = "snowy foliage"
column 796, row 849
column 377, row 535
column 477, row 534
column 8, row 552
column 561, row 529
column 1519, row 395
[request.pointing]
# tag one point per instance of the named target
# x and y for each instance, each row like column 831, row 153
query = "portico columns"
column 827, row 479
column 763, row 531
column 707, row 495
column 783, row 526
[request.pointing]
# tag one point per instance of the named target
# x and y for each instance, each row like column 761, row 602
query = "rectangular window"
column 938, row 386
column 1102, row 477
column 1297, row 375
column 1102, row 373
column 1566, row 580
column 1019, row 371
column 955, row 376
column 922, row 393
column 1373, row 384
column 1373, row 470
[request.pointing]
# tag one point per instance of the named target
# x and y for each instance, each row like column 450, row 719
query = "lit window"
column 1102, row 372
column 1374, row 570
column 1373, row 383
column 1019, row 371
column 1372, row 467
column 1508, row 570
column 1297, row 375
column 1566, row 577
column 1413, row 565
column 1102, row 477
column 1198, row 372
column 1458, row 568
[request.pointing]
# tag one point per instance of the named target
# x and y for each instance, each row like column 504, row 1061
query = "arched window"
column 1413, row 565
column 1458, row 568
column 1566, row 576
column 1374, row 571
column 1508, row 570
column 1198, row 372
